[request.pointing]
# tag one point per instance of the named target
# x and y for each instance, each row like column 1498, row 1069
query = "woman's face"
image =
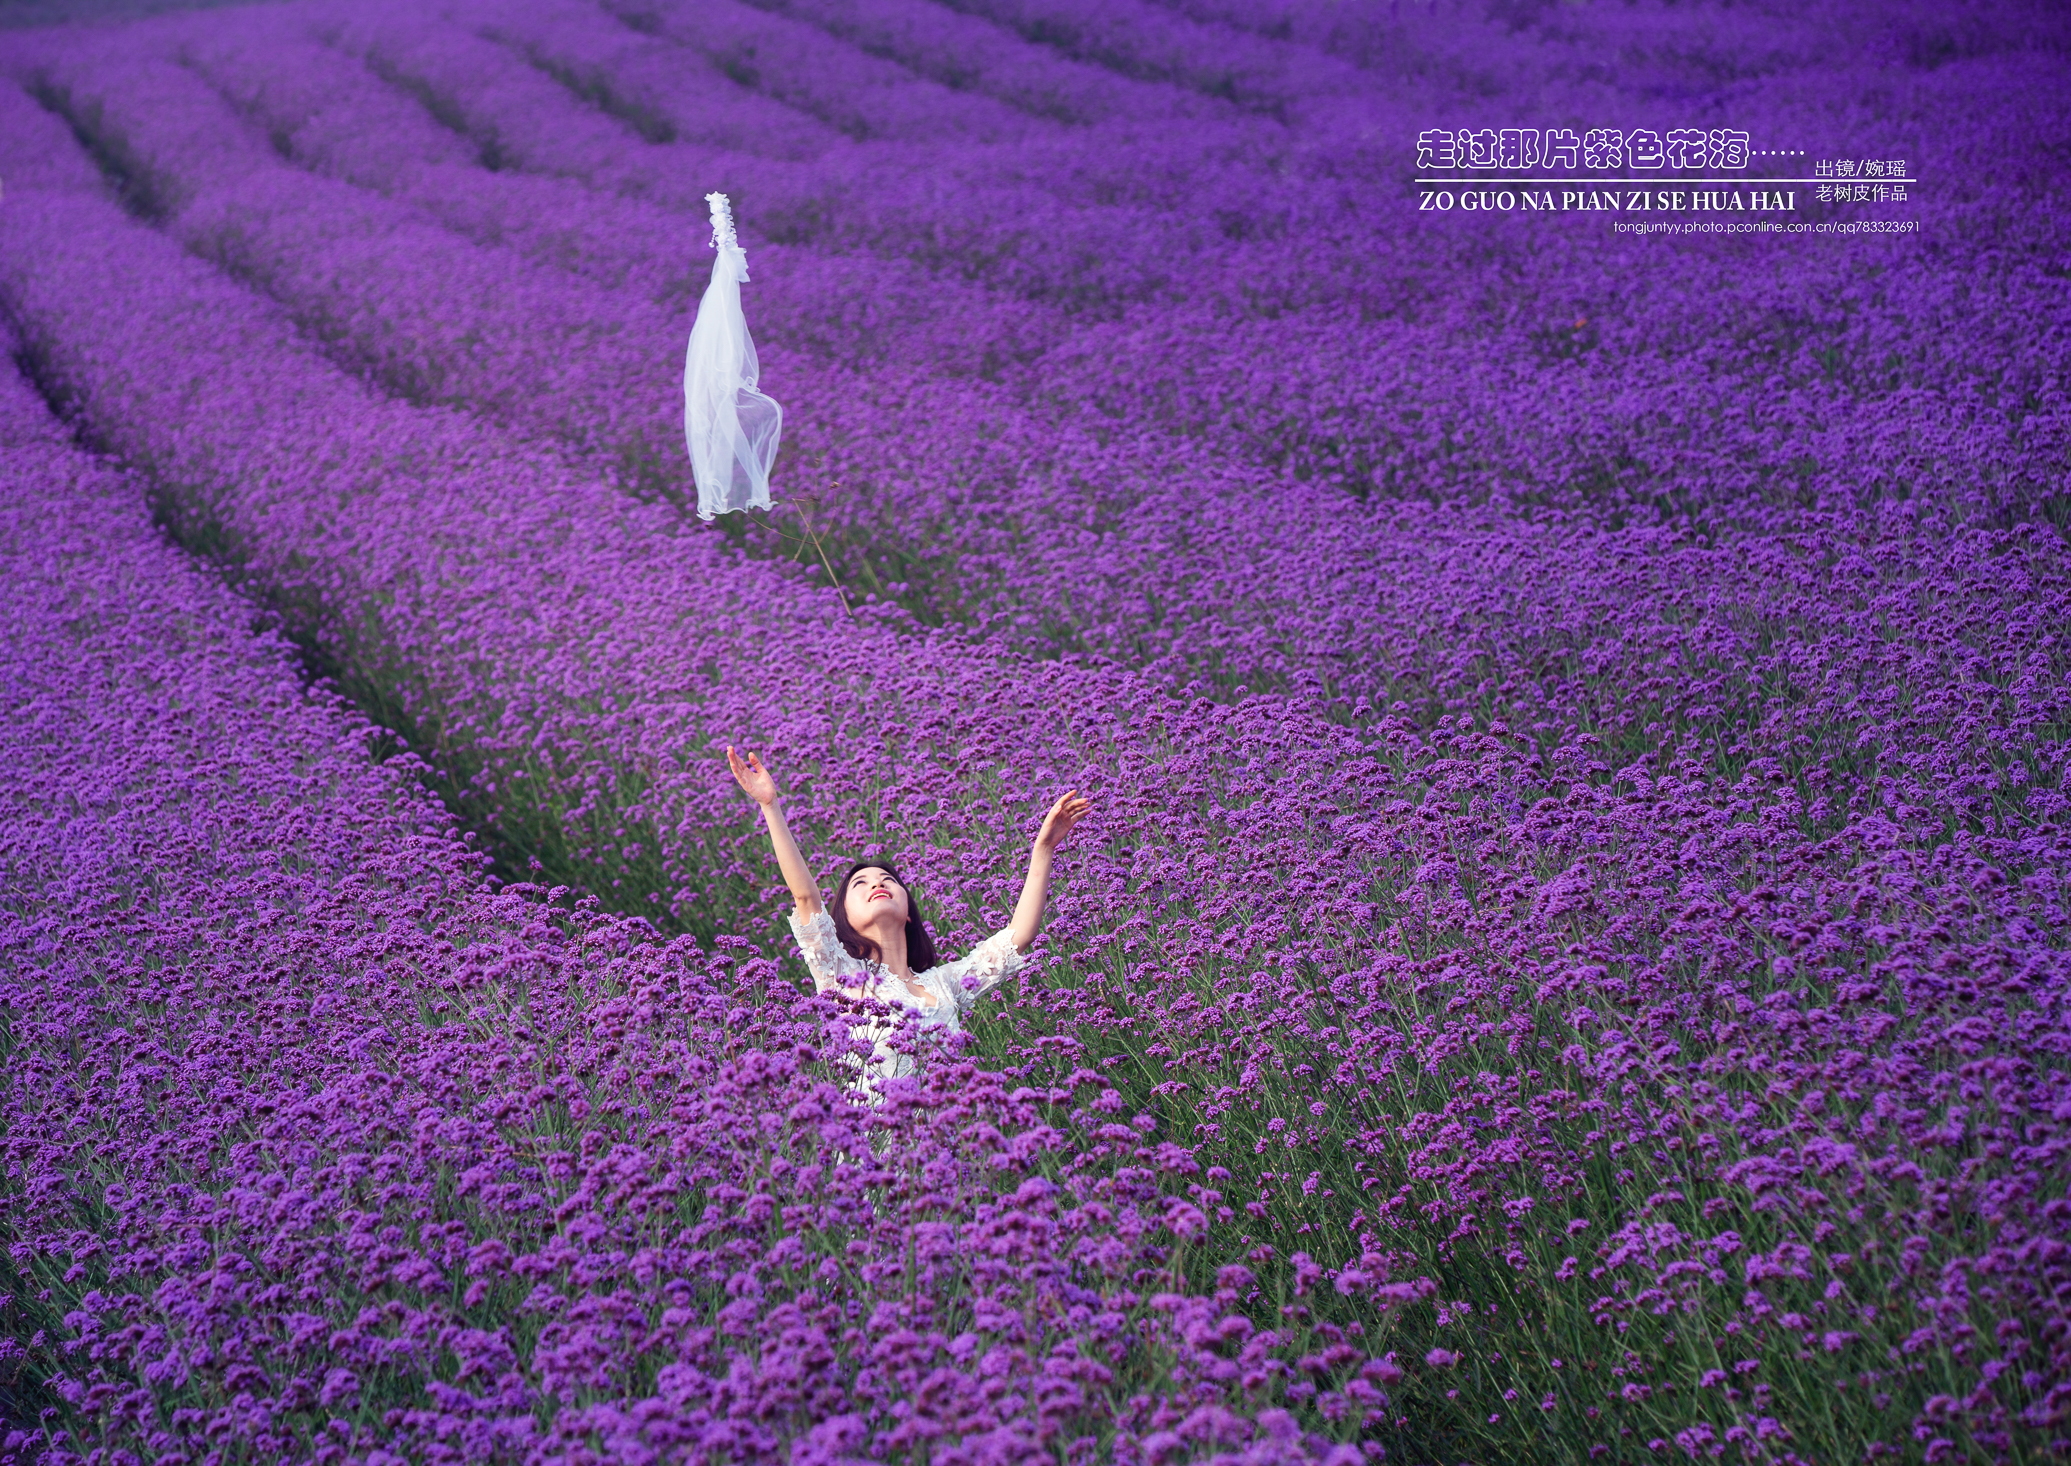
column 872, row 895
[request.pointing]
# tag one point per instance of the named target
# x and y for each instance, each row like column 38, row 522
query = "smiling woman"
column 874, row 943
column 873, row 894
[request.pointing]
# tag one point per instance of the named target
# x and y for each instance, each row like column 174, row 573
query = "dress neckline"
column 882, row 973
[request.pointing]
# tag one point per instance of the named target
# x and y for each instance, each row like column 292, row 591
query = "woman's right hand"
column 753, row 778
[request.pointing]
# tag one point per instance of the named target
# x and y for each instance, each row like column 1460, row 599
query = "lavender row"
column 857, row 194
column 1297, row 581
column 317, row 1150
column 496, row 333
column 1213, row 585
column 1178, row 377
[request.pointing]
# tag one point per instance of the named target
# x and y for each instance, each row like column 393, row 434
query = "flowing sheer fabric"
column 730, row 427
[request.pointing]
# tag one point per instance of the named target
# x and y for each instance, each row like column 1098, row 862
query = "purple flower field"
column 1569, row 958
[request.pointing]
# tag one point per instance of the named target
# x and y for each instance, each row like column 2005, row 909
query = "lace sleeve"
column 831, row 965
column 988, row 964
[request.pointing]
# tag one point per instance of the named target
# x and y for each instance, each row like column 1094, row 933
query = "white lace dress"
column 949, row 990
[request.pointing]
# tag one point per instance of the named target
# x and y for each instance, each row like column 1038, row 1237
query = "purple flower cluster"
column 1572, row 944
column 316, row 1148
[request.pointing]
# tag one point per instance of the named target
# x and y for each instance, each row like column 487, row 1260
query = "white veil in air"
column 731, row 428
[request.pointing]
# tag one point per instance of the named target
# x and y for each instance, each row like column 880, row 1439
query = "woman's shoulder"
column 820, row 947
column 994, row 950
column 815, row 924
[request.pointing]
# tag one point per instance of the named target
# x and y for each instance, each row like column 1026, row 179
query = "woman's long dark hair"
column 920, row 947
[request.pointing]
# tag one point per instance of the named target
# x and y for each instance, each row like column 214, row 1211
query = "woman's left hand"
column 1063, row 815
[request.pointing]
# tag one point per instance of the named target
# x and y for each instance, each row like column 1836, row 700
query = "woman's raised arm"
column 1057, row 824
column 756, row 782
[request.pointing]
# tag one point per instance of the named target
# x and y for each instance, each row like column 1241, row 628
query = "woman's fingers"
column 1064, row 815
column 1069, row 809
column 749, row 773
